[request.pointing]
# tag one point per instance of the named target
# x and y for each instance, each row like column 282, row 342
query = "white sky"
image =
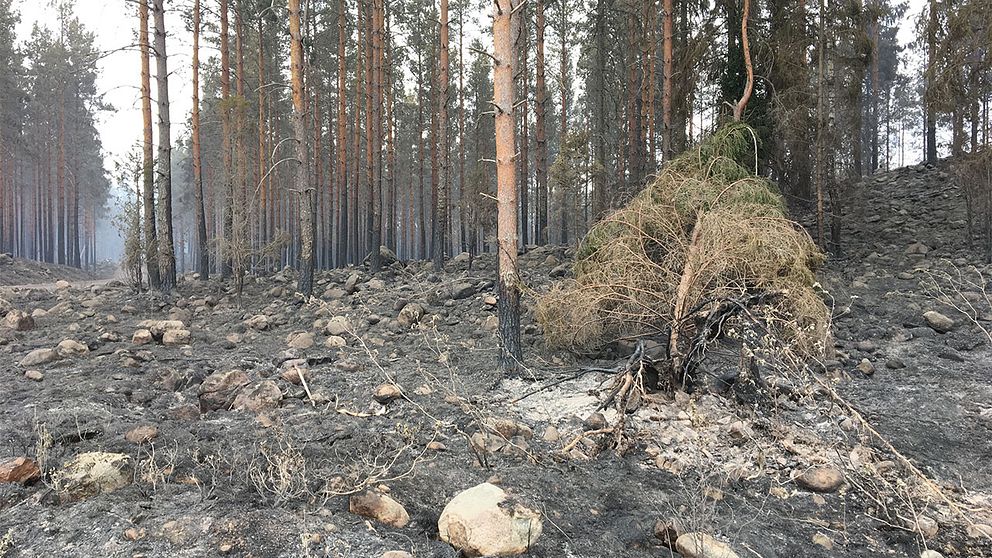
column 114, row 23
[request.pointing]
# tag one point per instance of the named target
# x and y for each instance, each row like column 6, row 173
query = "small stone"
column 821, row 479
column 19, row 470
column 142, row 337
column 351, row 284
column 823, row 540
column 490, row 324
column 595, row 421
column 39, row 356
column 462, row 289
column 411, row 314
column 62, row 285
column 259, row 322
column 338, row 325
column 701, row 545
column 19, row 321
column 380, row 507
column 895, row 364
column 925, row 526
column 397, row 554
column 930, row 553
column 300, row 340
column 436, row 446
column 335, row 342
column 70, row 347
column 174, row 337
column 141, row 434
column 980, row 531
column 866, row 367
column 551, row 434
column 489, row 300
column 219, row 389
column 260, row 397
column 386, row 393
column 938, row 322
column 135, row 534
column 294, row 369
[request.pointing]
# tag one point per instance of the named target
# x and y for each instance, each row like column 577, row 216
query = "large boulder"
column 93, row 473
column 485, row 521
column 219, row 389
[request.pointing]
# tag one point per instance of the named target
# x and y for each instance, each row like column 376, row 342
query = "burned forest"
column 495, row 278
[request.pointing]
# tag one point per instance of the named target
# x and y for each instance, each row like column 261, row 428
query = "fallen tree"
column 704, row 252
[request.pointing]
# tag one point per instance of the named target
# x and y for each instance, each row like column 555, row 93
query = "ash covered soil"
column 245, row 425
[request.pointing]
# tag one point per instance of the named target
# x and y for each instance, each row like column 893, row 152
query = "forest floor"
column 260, row 464
column 21, row 272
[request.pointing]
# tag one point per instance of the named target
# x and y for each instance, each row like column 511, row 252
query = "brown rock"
column 142, row 337
column 380, row 507
column 293, row 369
column 70, row 347
column 821, row 479
column 34, row 375
column 141, row 434
column 175, row 337
column 259, row 397
column 386, row 393
column 219, row 389
column 135, row 534
column 21, row 470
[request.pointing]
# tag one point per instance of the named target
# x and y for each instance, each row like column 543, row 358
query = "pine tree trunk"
column 540, row 110
column 342, row 142
column 166, row 250
column 930, row 133
column 524, row 189
column 505, row 26
column 666, row 86
column 203, row 266
column 308, row 216
column 148, row 163
column 441, row 215
column 226, row 260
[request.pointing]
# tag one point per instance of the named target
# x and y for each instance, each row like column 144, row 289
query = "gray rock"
column 938, row 322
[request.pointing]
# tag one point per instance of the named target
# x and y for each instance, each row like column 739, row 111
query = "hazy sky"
column 114, row 23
